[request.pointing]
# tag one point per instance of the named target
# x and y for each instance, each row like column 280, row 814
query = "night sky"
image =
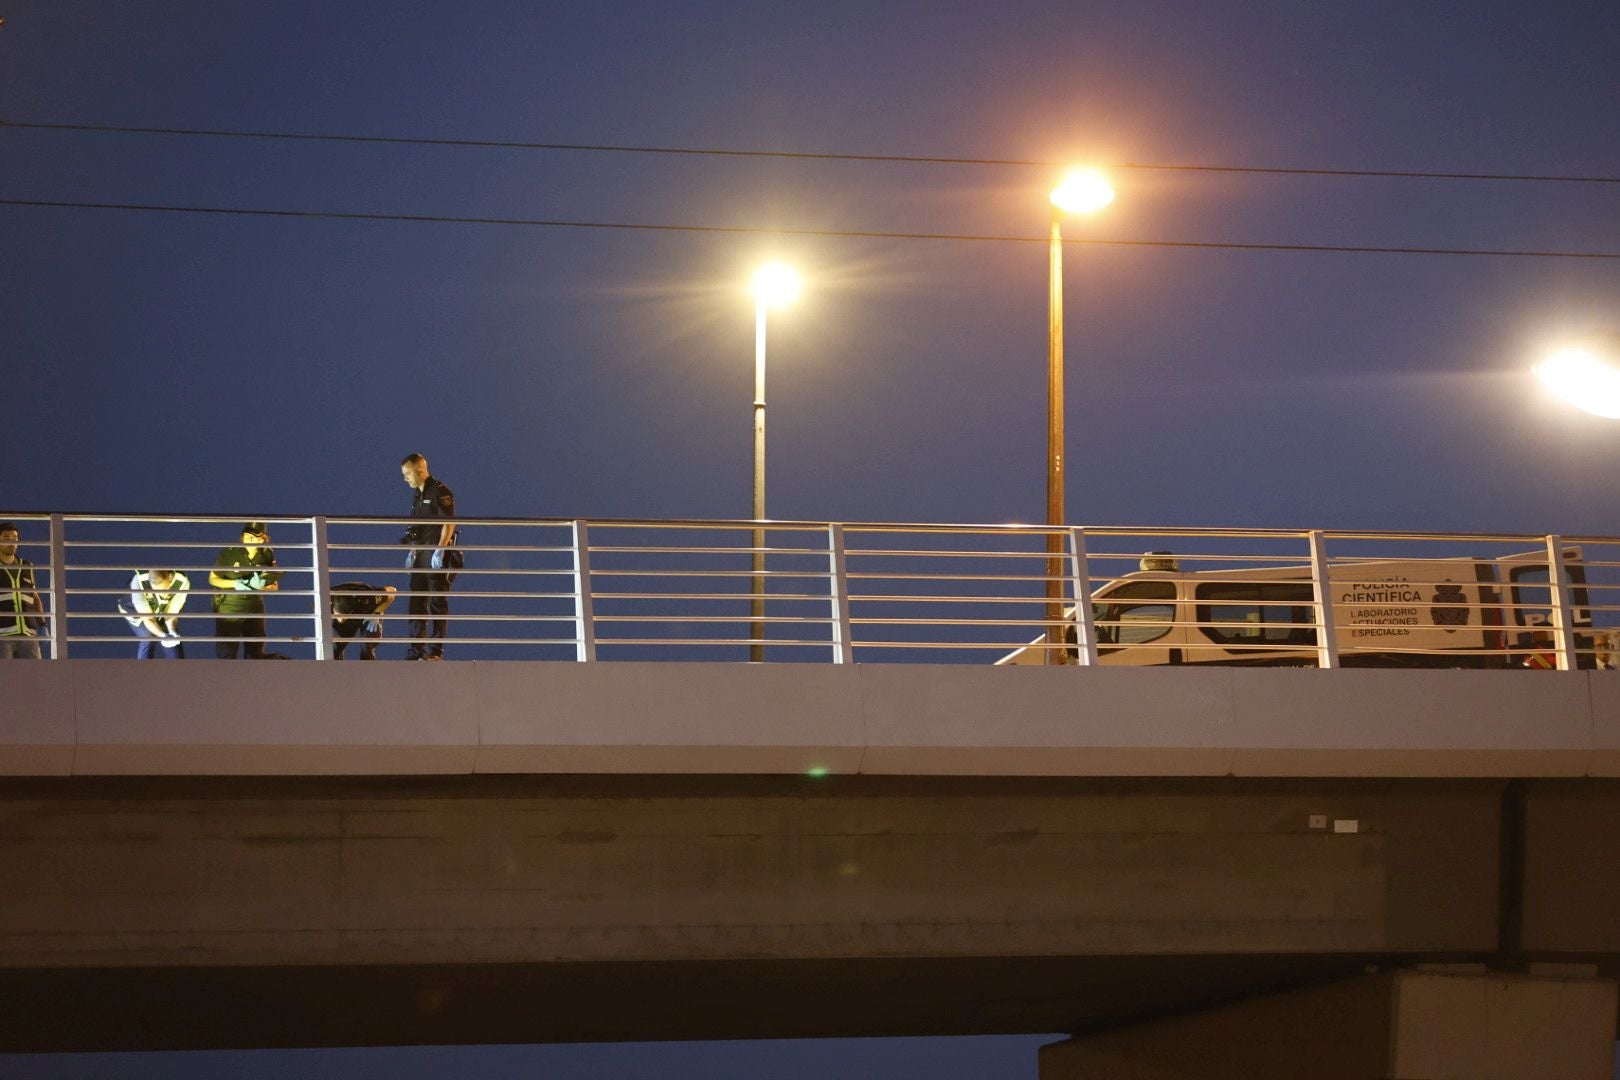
column 266, row 366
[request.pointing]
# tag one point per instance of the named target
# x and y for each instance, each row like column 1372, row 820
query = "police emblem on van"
column 1450, row 608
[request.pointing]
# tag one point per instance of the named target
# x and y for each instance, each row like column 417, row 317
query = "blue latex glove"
column 437, row 562
column 256, row 581
column 241, row 586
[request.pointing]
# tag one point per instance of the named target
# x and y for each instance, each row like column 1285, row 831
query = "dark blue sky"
column 570, row 373
column 216, row 364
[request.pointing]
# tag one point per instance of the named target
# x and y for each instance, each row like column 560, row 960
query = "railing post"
column 843, row 647
column 322, row 565
column 1085, row 630
column 59, row 611
column 584, row 616
column 1327, row 635
column 1563, row 620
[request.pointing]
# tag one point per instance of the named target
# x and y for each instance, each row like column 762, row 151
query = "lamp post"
column 1586, row 374
column 775, row 285
column 1082, row 191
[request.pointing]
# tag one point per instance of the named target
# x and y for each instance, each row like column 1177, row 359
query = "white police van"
column 1447, row 612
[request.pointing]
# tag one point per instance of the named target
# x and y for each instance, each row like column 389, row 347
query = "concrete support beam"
column 1401, row 1025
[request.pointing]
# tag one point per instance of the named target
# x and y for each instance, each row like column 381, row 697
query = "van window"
column 1257, row 613
column 1136, row 613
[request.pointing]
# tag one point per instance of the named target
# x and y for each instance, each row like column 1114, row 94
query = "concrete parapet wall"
column 110, row 717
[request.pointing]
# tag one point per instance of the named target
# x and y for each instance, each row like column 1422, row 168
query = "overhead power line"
column 758, row 230
column 502, row 144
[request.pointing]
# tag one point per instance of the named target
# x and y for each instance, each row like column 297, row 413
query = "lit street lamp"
column 1586, row 374
column 1082, row 191
column 775, row 285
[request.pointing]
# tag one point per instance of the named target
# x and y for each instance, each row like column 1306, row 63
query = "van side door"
column 1526, row 579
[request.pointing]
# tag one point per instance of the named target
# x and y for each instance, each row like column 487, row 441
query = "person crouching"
column 355, row 610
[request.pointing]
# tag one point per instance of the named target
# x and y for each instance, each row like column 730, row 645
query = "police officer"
column 430, row 552
column 356, row 611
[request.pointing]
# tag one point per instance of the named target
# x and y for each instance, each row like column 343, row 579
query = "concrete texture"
column 656, row 718
column 496, row 883
column 37, row 728
column 122, row 717
column 1402, row 1025
column 480, row 873
column 233, row 719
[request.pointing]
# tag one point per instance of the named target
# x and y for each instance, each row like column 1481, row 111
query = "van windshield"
column 1135, row 613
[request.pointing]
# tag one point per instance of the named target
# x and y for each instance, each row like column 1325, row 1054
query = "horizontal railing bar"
column 469, row 571
column 901, row 598
column 954, row 645
column 214, row 545
column 875, row 576
column 771, row 596
column 597, row 549
column 597, row 572
column 549, row 549
column 744, row 618
column 696, row 642
column 924, row 553
column 856, row 527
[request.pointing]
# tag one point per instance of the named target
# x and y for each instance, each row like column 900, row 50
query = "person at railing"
column 431, row 559
column 156, row 597
column 355, row 610
column 21, row 613
column 246, row 572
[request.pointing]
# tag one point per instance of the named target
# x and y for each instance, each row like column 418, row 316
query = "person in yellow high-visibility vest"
column 20, row 607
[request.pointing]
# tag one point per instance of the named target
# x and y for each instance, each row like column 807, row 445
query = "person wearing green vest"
column 246, row 572
column 20, row 608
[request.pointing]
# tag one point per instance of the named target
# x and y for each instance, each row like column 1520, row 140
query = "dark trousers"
column 250, row 626
column 368, row 631
column 430, row 603
column 150, row 648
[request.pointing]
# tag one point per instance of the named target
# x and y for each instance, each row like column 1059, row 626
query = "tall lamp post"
column 775, row 285
column 1082, row 191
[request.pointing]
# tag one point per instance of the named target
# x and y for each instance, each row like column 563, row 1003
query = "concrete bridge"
column 1191, row 870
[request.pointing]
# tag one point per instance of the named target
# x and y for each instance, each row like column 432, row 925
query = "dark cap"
column 257, row 529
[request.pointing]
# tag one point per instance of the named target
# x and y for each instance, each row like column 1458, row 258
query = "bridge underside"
column 304, row 854
column 209, row 912
column 440, row 1004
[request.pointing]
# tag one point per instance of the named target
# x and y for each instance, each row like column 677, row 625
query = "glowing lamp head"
column 1584, row 379
column 1083, row 191
column 776, row 285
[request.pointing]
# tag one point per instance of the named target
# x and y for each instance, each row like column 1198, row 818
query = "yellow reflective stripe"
column 16, row 601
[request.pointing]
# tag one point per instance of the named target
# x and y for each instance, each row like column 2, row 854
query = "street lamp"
column 1082, row 191
column 1586, row 374
column 775, row 285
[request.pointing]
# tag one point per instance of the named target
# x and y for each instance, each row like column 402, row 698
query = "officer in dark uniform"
column 355, row 607
column 431, row 542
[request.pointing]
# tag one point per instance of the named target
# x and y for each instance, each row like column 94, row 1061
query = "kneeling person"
column 156, row 597
column 355, row 607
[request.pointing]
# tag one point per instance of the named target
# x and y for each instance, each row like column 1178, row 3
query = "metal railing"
column 844, row 592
